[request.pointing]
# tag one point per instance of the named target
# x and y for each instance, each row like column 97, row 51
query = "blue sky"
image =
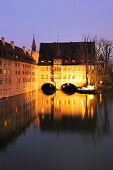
column 71, row 19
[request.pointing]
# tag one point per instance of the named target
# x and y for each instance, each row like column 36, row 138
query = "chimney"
column 24, row 49
column 12, row 44
column 3, row 40
column 29, row 51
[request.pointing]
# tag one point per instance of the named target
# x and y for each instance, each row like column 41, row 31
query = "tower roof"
column 33, row 45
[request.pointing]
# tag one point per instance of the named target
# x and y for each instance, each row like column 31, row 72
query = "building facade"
column 23, row 71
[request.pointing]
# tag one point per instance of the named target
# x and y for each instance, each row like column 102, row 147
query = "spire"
column 33, row 44
column 58, row 50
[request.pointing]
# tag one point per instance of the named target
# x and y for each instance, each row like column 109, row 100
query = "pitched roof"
column 78, row 51
column 16, row 54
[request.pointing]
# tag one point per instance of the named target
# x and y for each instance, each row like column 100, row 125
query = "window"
column 46, row 68
column 73, row 76
column 9, row 81
column 16, row 80
column 73, row 61
column 4, row 63
column 42, row 68
column 0, row 71
column 19, row 72
column 18, row 64
column 23, row 72
column 73, row 68
column 5, row 71
column 68, row 76
column 42, row 76
column 5, row 81
column 64, row 76
column 0, row 62
column 66, row 61
column 15, row 64
column 0, row 81
column 9, row 71
column 46, row 76
column 9, row 63
column 15, row 72
column 23, row 65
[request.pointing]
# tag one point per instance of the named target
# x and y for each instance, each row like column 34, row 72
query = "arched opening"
column 48, row 88
column 69, row 88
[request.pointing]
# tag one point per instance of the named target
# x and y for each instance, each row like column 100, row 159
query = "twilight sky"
column 71, row 19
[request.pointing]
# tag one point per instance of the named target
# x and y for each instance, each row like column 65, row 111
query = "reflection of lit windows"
column 42, row 61
column 5, row 71
column 83, row 68
column 42, row 76
column 69, row 68
column 0, row 71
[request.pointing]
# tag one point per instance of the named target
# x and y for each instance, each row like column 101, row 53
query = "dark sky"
column 71, row 19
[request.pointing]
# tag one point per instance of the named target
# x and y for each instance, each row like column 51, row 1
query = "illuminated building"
column 23, row 71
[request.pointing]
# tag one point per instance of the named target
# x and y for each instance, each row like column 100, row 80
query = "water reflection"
column 81, row 113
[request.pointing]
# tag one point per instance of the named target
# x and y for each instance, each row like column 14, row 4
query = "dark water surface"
column 57, row 132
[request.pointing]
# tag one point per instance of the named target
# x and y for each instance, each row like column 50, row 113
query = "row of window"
column 4, row 62
column 5, row 71
column 65, row 68
column 8, row 81
column 63, row 76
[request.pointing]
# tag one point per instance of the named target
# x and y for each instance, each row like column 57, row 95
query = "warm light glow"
column 91, row 97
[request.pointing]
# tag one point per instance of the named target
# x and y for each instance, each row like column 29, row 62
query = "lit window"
column 5, row 71
column 73, row 68
column 42, row 68
column 73, row 76
column 42, row 61
column 73, row 61
column 0, row 71
column 64, row 76
column 42, row 76
column 68, row 76
column 92, row 67
column 49, row 61
column 46, row 76
column 9, row 71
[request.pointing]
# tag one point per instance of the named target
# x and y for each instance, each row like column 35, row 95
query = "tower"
column 33, row 45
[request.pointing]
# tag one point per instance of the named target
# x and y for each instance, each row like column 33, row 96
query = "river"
column 56, row 132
